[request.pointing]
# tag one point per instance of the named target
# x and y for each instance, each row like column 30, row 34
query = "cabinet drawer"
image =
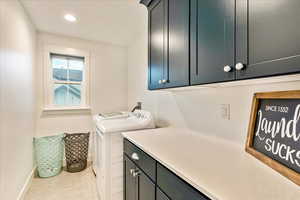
column 175, row 187
column 141, row 159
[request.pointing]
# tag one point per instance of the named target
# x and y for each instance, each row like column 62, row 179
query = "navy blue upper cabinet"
column 268, row 37
column 158, row 30
column 177, row 73
column 212, row 41
column 168, row 43
column 194, row 42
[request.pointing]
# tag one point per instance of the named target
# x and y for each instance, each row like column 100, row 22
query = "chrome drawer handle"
column 136, row 173
column 132, row 171
column 135, row 156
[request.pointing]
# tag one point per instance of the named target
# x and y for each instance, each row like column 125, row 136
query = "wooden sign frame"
column 280, row 168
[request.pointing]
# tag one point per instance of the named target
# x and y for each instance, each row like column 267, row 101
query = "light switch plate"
column 225, row 111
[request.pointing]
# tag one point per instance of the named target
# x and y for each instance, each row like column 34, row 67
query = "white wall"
column 194, row 108
column 17, row 98
column 108, row 72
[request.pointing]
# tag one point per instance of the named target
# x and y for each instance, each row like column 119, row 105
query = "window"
column 66, row 80
column 67, row 74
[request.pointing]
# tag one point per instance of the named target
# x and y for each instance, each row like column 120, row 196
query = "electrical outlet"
column 225, row 111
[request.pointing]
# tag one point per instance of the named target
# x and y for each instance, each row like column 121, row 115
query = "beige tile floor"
column 65, row 186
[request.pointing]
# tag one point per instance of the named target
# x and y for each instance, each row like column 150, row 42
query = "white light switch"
column 225, row 111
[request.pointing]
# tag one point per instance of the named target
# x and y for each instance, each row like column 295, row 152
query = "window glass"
column 75, row 70
column 67, row 94
column 60, row 68
column 67, row 80
column 60, row 94
column 74, row 97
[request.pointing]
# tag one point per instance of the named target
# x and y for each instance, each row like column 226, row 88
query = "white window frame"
column 49, row 82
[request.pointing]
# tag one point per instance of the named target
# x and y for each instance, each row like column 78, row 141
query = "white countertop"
column 220, row 169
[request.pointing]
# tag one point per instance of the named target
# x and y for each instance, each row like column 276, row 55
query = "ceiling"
column 110, row 21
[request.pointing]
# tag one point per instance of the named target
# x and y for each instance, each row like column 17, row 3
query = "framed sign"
column 274, row 132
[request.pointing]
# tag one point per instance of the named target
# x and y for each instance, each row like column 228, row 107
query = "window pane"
column 74, row 97
column 60, row 68
column 67, row 95
column 60, row 94
column 75, row 69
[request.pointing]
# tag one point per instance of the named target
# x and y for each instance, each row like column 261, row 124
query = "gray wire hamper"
column 76, row 151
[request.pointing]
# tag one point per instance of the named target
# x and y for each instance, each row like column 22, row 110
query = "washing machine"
column 107, row 153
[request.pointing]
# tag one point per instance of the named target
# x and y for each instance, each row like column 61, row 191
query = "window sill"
column 66, row 110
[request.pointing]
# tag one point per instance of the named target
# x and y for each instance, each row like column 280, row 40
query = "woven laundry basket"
column 76, row 150
column 49, row 155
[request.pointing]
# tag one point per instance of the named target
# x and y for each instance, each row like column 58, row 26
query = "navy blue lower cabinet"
column 137, row 185
column 141, row 159
column 160, row 195
column 140, row 184
column 175, row 187
column 146, row 187
column 130, row 183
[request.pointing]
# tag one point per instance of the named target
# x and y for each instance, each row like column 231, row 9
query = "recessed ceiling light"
column 70, row 18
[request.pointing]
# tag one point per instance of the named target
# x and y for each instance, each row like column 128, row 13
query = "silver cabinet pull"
column 162, row 81
column 135, row 156
column 239, row 66
column 136, row 173
column 132, row 171
column 227, row 68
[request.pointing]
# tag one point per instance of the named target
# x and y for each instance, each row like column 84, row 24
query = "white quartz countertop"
column 218, row 168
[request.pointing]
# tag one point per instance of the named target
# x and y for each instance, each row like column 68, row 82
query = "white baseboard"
column 27, row 184
column 30, row 177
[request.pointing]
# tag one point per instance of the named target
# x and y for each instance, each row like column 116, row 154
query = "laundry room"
column 149, row 100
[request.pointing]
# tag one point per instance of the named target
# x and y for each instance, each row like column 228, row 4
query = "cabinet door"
column 146, row 188
column 268, row 37
column 176, row 71
column 137, row 185
column 160, row 195
column 212, row 41
column 130, row 182
column 157, row 43
column 175, row 187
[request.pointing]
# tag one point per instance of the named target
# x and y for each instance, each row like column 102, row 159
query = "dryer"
column 108, row 150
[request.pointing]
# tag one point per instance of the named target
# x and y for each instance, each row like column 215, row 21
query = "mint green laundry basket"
column 49, row 155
